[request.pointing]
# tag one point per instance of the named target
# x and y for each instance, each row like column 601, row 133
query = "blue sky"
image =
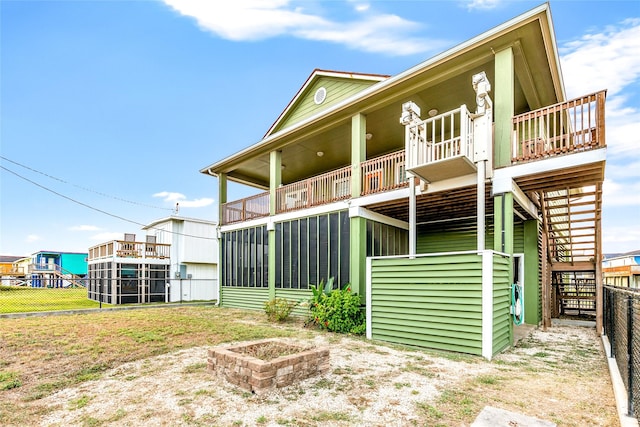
column 116, row 105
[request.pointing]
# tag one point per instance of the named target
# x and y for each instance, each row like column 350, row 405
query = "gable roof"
column 437, row 82
column 338, row 86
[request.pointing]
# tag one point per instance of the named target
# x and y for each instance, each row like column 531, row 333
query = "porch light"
column 320, row 153
column 368, row 136
column 432, row 112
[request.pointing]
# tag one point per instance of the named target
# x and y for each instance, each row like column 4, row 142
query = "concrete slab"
column 496, row 417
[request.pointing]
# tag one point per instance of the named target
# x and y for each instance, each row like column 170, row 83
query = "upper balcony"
column 567, row 127
column 129, row 249
column 380, row 174
column 439, row 148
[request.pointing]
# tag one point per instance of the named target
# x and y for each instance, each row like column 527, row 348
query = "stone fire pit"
column 260, row 366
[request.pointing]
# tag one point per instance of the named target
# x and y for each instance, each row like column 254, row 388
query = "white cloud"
column 606, row 60
column 617, row 194
column 246, row 20
column 84, row 228
column 482, row 4
column 620, row 239
column 180, row 198
column 33, row 238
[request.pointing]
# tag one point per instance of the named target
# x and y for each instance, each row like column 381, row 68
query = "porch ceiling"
column 450, row 205
column 442, row 83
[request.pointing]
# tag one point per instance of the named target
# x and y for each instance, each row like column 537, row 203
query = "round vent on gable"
column 320, row 96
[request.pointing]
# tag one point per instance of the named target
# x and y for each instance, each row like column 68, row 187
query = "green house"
column 459, row 198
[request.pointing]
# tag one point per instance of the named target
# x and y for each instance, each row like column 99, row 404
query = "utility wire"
column 100, row 210
column 84, row 188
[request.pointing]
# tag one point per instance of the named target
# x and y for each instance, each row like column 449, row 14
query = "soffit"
column 442, row 83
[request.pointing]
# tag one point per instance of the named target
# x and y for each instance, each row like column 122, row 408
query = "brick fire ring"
column 255, row 375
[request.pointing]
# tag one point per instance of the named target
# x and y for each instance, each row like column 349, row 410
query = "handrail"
column 570, row 126
column 127, row 249
column 256, row 206
column 441, row 137
column 318, row 190
column 384, row 173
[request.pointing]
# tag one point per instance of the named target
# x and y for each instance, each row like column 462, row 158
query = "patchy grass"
column 14, row 299
column 539, row 377
column 41, row 355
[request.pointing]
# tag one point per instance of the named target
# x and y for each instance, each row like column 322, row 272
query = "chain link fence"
column 24, row 295
column 622, row 328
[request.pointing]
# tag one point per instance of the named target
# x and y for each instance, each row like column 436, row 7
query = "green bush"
column 279, row 309
column 337, row 310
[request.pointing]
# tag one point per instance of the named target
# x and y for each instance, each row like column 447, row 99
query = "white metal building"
column 194, row 256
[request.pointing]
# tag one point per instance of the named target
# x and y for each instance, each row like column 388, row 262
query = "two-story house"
column 176, row 261
column 455, row 197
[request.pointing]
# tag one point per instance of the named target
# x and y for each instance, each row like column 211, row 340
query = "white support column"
column 487, row 304
column 410, row 116
column 368, row 300
column 482, row 146
column 412, row 217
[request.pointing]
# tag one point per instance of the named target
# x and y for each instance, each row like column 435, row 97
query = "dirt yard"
column 559, row 375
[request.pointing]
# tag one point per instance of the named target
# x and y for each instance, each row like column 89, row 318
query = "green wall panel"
column 502, row 324
column 250, row 298
column 337, row 90
column 432, row 302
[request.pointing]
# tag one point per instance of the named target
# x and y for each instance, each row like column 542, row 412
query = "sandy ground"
column 368, row 385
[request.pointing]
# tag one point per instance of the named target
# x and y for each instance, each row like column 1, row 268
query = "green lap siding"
column 502, row 325
column 250, row 298
column 433, row 302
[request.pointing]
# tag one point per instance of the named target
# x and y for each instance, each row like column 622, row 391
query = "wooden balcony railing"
column 318, row 190
column 245, row 209
column 127, row 249
column 384, row 173
column 571, row 126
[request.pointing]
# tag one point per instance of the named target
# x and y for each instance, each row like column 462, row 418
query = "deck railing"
column 245, row 209
column 127, row 249
column 441, row 137
column 575, row 125
column 318, row 190
column 380, row 174
column 384, row 173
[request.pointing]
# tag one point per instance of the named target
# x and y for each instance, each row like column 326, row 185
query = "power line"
column 100, row 210
column 85, row 188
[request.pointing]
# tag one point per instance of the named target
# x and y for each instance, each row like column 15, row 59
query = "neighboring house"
column 9, row 272
column 6, row 264
column 177, row 261
column 128, row 271
column 622, row 270
column 433, row 192
column 53, row 269
column 194, row 256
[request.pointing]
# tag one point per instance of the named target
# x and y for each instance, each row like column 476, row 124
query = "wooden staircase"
column 572, row 239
